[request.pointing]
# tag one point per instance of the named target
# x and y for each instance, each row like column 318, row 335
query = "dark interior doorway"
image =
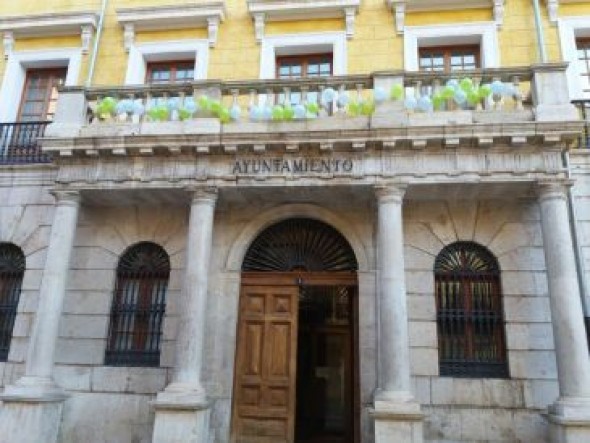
column 325, row 370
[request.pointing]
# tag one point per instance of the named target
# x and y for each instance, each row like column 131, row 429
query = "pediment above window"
column 48, row 25
column 553, row 7
column 160, row 18
column 401, row 7
column 263, row 11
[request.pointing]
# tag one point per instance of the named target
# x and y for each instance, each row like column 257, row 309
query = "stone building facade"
column 178, row 266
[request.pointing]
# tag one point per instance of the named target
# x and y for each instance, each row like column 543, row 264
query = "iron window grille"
column 139, row 305
column 12, row 269
column 471, row 338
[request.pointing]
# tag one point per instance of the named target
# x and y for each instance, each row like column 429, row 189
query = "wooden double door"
column 295, row 374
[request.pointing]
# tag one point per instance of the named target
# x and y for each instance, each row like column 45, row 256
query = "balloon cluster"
column 464, row 93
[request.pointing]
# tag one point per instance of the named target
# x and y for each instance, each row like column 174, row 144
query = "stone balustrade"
column 390, row 109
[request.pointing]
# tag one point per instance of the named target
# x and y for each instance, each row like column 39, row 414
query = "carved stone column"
column 32, row 407
column 570, row 414
column 397, row 414
column 182, row 410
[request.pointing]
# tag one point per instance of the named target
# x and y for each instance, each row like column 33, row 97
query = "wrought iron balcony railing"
column 19, row 143
column 584, row 108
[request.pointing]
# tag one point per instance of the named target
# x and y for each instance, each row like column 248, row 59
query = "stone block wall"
column 456, row 409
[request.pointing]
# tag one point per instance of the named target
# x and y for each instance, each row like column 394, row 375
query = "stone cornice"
column 357, row 136
column 280, row 10
column 157, row 18
column 401, row 7
column 48, row 25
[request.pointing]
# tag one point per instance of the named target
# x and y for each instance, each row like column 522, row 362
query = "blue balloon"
column 380, row 95
column 460, row 97
column 255, row 113
column 509, row 90
column 453, row 83
column 498, row 87
column 267, row 113
column 410, row 103
column 235, row 112
column 328, row 96
column 138, row 108
column 190, row 106
column 343, row 99
column 425, row 104
column 172, row 104
column 299, row 111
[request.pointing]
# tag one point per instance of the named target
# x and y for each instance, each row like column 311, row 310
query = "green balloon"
column 448, row 92
column 397, row 92
column 277, row 113
column 466, row 84
column 215, row 108
column 354, row 109
column 204, row 103
column 183, row 114
column 288, row 113
column 438, row 101
column 224, row 116
column 367, row 107
column 106, row 106
column 485, row 91
column 313, row 108
column 473, row 97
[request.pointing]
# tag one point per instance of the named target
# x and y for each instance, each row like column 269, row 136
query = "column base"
column 569, row 420
column 398, row 418
column 182, row 415
column 31, row 410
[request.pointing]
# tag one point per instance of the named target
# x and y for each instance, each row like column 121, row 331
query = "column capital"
column 552, row 190
column 391, row 192
column 66, row 197
column 203, row 194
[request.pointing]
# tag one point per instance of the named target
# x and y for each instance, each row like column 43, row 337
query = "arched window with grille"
column 138, row 307
column 12, row 270
column 471, row 338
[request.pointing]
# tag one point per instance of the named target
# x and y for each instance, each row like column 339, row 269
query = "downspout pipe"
column 97, row 38
column 540, row 35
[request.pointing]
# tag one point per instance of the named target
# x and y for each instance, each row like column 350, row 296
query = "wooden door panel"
column 264, row 387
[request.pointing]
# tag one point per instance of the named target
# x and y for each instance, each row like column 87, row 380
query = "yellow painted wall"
column 375, row 46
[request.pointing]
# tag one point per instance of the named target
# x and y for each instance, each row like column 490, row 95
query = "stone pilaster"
column 397, row 414
column 32, row 407
column 570, row 414
column 182, row 410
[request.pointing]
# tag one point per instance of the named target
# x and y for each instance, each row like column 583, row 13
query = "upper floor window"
column 583, row 45
column 170, row 72
column 300, row 66
column 40, row 94
column 12, row 269
column 138, row 308
column 449, row 58
column 471, row 340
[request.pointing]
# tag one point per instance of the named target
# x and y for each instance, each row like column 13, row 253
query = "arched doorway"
column 296, row 366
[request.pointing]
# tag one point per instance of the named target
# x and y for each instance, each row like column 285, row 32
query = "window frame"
column 47, row 99
column 296, row 44
column 463, row 318
column 130, row 307
column 140, row 55
column 485, row 34
column 9, row 311
column 15, row 74
column 570, row 29
column 447, row 54
column 306, row 60
column 174, row 67
column 584, row 72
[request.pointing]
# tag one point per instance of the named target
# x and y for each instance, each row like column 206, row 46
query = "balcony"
column 19, row 143
column 496, row 107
